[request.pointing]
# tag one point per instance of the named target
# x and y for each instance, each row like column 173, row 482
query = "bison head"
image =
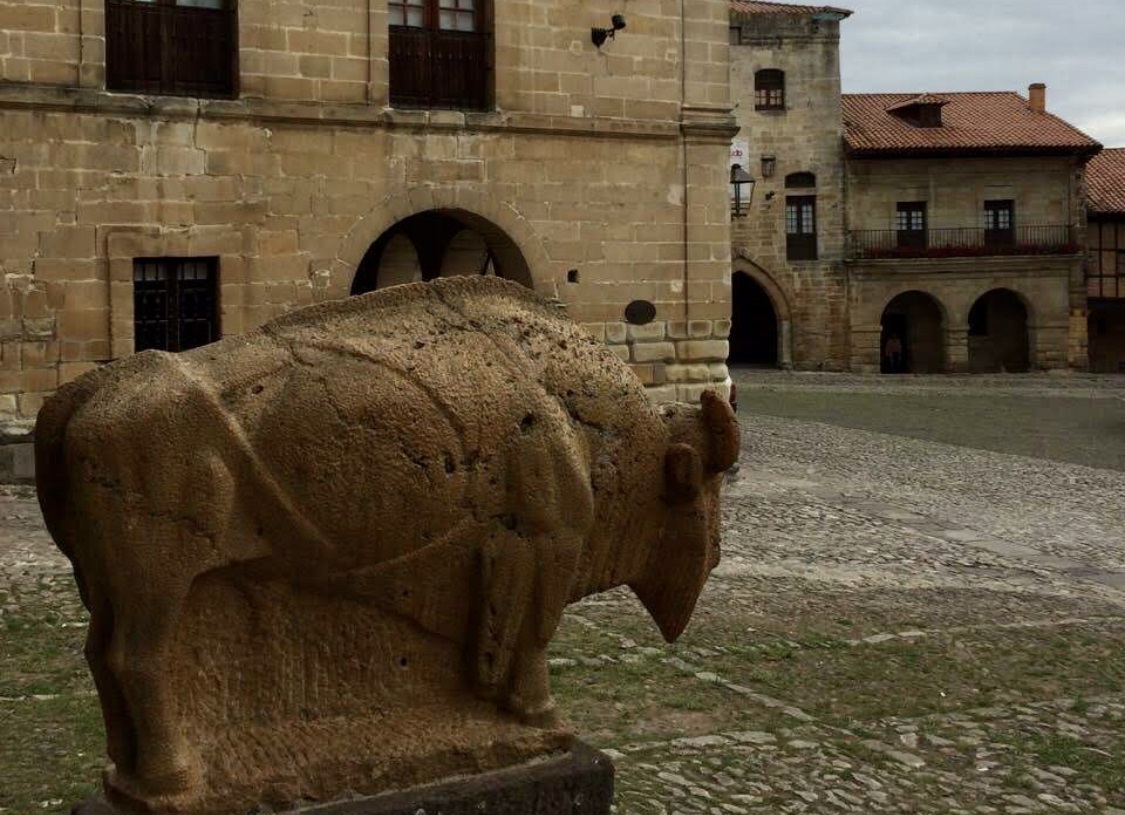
column 703, row 444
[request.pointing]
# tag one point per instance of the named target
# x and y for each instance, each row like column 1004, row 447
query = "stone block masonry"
column 605, row 169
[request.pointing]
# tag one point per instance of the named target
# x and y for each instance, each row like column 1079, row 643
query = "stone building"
column 953, row 223
column 788, row 251
column 966, row 226
column 178, row 170
column 1105, row 262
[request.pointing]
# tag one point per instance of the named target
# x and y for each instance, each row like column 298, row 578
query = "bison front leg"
column 526, row 585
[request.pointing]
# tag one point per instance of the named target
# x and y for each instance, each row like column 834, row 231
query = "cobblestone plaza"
column 928, row 619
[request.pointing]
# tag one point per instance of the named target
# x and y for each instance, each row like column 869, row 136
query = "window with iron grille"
column 910, row 223
column 769, row 89
column 440, row 54
column 800, row 227
column 174, row 47
column 999, row 223
column 175, row 303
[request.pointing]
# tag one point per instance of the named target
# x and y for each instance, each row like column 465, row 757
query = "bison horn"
column 722, row 431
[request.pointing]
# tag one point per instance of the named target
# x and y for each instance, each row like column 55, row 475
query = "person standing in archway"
column 892, row 352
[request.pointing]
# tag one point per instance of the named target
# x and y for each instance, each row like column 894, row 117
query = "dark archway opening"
column 753, row 331
column 998, row 334
column 439, row 243
column 1106, row 333
column 913, row 336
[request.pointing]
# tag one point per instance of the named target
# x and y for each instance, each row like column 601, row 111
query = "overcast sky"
column 1076, row 47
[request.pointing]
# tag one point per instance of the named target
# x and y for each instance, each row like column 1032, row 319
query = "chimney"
column 1037, row 97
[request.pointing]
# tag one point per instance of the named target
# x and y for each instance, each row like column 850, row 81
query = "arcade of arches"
column 439, row 243
column 914, row 335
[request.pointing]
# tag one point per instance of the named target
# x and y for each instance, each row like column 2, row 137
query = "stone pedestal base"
column 579, row 782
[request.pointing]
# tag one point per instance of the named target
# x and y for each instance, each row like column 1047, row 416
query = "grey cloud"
column 965, row 45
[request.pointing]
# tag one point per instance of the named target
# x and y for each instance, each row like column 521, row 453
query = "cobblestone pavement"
column 899, row 624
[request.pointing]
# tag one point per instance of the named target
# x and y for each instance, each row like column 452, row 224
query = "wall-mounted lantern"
column 741, row 189
column 599, row 35
column 769, row 165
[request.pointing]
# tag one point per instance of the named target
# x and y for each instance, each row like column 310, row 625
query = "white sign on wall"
column 739, row 153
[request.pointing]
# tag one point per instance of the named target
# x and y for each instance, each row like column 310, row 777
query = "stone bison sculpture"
column 458, row 453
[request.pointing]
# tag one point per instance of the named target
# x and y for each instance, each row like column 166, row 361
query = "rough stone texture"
column 329, row 554
column 290, row 184
column 579, row 782
column 829, row 311
column 807, row 295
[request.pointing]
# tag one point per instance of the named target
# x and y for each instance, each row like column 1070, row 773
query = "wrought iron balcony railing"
column 962, row 242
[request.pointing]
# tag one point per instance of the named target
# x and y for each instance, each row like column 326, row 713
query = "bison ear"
column 683, row 473
column 722, row 431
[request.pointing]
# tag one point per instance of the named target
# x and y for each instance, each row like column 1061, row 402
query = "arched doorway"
column 998, row 333
column 753, row 330
column 439, row 243
column 914, row 320
column 1106, row 332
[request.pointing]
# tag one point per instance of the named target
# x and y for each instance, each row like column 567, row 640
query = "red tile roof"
column 1105, row 182
column 972, row 124
column 750, row 7
column 924, row 99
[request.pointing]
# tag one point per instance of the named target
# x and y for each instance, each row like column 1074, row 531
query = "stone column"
column 865, row 350
column 956, row 350
column 785, row 345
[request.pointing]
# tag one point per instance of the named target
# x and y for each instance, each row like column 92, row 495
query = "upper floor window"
column 769, row 89
column 176, row 47
column 175, row 303
column 800, row 227
column 910, row 223
column 999, row 223
column 440, row 54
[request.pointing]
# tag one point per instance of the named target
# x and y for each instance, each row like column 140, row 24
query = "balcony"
column 873, row 244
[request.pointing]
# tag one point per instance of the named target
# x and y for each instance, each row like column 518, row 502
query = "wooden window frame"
column 998, row 229
column 163, row 296
column 800, row 227
column 769, row 89
column 163, row 47
column 911, row 224
column 432, row 67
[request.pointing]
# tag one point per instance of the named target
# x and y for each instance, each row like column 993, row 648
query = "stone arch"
column 1106, row 332
column 334, row 279
column 801, row 180
column 446, row 242
column 777, row 299
column 999, row 332
column 917, row 320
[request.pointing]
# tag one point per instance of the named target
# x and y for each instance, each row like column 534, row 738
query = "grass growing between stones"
column 933, row 674
column 53, row 743
column 1092, row 435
